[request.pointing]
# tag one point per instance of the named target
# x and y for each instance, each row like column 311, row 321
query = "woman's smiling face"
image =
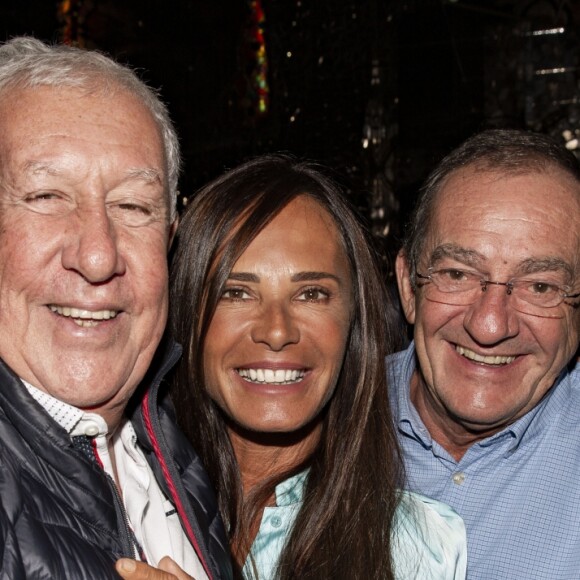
column 276, row 343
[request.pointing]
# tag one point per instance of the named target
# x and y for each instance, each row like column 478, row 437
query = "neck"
column 261, row 456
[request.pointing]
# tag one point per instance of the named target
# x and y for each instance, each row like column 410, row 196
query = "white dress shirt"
column 152, row 516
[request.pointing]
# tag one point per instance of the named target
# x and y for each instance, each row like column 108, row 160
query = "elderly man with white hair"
column 92, row 467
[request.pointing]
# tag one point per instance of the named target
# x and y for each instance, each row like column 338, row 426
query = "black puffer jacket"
column 60, row 518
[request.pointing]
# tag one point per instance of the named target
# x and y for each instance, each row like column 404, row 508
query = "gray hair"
column 508, row 150
column 26, row 62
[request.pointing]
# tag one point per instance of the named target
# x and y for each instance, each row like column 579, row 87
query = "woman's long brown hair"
column 344, row 528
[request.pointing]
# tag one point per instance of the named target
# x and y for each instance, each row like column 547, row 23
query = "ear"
column 406, row 291
column 172, row 232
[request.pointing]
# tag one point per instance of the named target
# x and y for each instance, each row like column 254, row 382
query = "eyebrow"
column 528, row 266
column 36, row 167
column 546, row 264
column 468, row 257
column 299, row 277
column 243, row 277
column 313, row 276
column 148, row 175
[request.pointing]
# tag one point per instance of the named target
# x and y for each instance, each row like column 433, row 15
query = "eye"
column 133, row 213
column 139, row 210
column 455, row 280
column 42, row 196
column 235, row 294
column 313, row 294
column 134, row 207
column 541, row 287
column 455, row 275
column 47, row 202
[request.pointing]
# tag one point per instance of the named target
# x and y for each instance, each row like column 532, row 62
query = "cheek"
column 210, row 365
column 332, row 338
column 27, row 253
column 212, row 381
column 148, row 270
column 435, row 325
column 212, row 387
column 219, row 341
column 574, row 333
column 429, row 319
column 559, row 341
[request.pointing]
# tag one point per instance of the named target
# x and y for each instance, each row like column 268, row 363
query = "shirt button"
column 276, row 521
column 91, row 430
column 458, row 478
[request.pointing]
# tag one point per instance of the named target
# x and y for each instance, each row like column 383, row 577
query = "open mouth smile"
column 496, row 360
column 271, row 376
column 84, row 318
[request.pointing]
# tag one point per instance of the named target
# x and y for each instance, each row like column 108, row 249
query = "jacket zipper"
column 129, row 542
column 153, row 427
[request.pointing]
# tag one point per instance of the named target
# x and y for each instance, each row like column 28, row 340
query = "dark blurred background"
column 378, row 90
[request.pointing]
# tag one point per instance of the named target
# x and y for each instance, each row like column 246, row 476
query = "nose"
column 275, row 327
column 92, row 246
column 491, row 318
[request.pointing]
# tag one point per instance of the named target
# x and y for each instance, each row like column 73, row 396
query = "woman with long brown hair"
column 278, row 302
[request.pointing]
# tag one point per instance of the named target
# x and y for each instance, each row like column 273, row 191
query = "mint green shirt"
column 429, row 537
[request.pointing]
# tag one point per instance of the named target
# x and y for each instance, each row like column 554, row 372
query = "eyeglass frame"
column 509, row 286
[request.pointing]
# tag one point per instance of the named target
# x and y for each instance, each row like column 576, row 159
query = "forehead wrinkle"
column 147, row 174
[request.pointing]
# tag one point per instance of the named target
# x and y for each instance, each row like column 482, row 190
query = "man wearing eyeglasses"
column 487, row 396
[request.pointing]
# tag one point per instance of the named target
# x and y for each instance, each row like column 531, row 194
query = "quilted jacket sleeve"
column 11, row 565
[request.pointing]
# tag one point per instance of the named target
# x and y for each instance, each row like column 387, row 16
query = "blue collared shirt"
column 428, row 540
column 518, row 491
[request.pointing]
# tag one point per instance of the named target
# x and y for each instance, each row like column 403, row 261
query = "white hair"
column 26, row 62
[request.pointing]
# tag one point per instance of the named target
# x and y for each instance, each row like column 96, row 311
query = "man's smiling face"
column 486, row 364
column 83, row 242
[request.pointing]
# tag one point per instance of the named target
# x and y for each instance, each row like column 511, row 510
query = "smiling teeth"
column 271, row 377
column 488, row 360
column 85, row 318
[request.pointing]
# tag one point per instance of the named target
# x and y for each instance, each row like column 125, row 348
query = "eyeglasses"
column 462, row 287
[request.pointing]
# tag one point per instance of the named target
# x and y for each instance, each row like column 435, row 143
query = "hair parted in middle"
column 344, row 527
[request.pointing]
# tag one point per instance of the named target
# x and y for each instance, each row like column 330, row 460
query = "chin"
column 276, row 428
column 483, row 421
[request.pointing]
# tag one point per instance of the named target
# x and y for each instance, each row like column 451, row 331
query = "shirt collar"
column 291, row 490
column 401, row 368
column 73, row 420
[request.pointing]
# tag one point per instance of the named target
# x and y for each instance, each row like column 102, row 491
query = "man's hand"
column 168, row 570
